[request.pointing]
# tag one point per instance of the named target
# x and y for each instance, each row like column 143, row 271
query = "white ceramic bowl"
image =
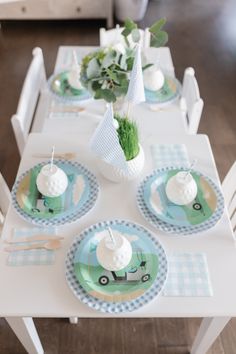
column 115, row 174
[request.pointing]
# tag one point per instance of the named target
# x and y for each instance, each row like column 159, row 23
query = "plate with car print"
column 79, row 197
column 199, row 215
column 116, row 291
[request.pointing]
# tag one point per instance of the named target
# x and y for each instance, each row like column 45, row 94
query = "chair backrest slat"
column 194, row 104
column 5, row 196
column 34, row 82
column 113, row 36
column 229, row 190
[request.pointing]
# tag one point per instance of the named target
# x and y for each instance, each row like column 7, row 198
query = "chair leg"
column 209, row 330
column 73, row 320
column 24, row 329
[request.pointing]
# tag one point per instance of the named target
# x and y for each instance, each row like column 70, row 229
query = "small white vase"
column 134, row 9
column 115, row 174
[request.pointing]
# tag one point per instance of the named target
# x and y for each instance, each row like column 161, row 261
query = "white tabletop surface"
column 42, row 291
column 168, row 119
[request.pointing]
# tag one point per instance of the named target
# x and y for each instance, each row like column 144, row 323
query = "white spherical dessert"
column 181, row 189
column 114, row 256
column 153, row 79
column 51, row 181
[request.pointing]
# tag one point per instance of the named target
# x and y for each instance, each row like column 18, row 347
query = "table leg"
column 25, row 330
column 209, row 330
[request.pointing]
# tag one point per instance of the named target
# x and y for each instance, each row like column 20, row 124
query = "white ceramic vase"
column 134, row 9
column 115, row 174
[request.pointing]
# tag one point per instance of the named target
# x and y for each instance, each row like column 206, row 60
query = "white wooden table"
column 42, row 291
column 169, row 119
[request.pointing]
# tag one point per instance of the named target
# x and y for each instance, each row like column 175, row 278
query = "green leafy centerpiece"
column 105, row 72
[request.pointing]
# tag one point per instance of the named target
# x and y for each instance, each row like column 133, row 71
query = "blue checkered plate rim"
column 71, row 206
column 116, row 306
column 168, row 227
column 59, row 86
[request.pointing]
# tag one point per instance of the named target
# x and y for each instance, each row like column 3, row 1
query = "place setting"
column 180, row 200
column 116, row 266
column 66, row 85
column 55, row 193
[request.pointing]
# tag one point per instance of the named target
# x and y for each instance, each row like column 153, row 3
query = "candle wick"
column 52, row 157
column 190, row 168
column 111, row 235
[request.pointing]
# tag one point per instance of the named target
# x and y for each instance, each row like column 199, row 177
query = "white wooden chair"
column 229, row 191
column 5, row 199
column 113, row 36
column 33, row 85
column 190, row 103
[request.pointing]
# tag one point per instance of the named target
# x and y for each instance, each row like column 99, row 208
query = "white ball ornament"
column 51, row 181
column 181, row 189
column 114, row 255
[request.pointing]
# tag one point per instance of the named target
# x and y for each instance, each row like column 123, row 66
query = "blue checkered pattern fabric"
column 136, row 94
column 188, row 275
column 31, row 257
column 105, row 142
column 164, row 155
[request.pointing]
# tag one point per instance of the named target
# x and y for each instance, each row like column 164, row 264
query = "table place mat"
column 188, row 275
column 31, row 257
column 164, row 155
column 62, row 110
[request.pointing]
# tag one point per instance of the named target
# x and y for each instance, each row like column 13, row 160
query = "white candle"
column 181, row 189
column 114, row 254
column 51, row 181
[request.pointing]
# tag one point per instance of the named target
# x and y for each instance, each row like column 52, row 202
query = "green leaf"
column 159, row 40
column 106, row 94
column 157, row 26
column 112, row 75
column 108, row 60
column 129, row 25
column 146, row 66
column 93, row 69
column 135, row 35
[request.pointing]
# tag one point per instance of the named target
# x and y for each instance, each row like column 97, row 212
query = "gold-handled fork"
column 66, row 156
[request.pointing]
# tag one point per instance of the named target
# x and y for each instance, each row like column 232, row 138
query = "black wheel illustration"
column 145, row 278
column 35, row 210
column 197, row 206
column 103, row 280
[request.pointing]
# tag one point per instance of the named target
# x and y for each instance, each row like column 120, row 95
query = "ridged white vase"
column 115, row 174
column 134, row 9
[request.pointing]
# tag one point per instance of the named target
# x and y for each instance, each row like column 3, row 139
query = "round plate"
column 125, row 290
column 60, row 86
column 198, row 216
column 167, row 94
column 78, row 199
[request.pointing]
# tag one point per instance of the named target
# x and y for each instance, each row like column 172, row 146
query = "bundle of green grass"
column 128, row 137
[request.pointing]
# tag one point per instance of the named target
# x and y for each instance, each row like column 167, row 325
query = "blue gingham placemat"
column 164, row 155
column 59, row 110
column 31, row 257
column 188, row 275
